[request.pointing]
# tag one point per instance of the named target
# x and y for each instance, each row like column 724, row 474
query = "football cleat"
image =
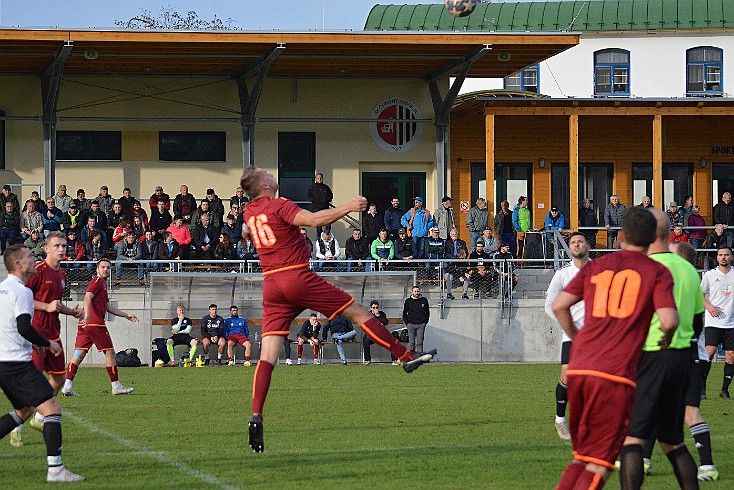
column 247, row 364
column 36, row 425
column 230, row 363
column 646, row 466
column 316, row 361
column 725, row 395
column 298, row 362
column 63, row 476
column 122, row 390
column 15, row 438
column 69, row 392
column 418, row 361
column 255, row 428
column 562, row 430
column 172, row 363
column 288, row 362
column 708, row 473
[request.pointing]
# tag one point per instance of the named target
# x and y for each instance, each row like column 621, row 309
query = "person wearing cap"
column 503, row 226
column 159, row 195
column 403, row 245
column 105, row 200
column 229, row 229
column 443, row 218
column 9, row 225
column 476, row 221
column 392, row 217
column 435, row 247
column 74, row 219
column 320, row 196
column 479, row 272
column 239, row 199
column 522, row 223
column 7, row 196
column 675, row 216
column 216, row 206
column 62, row 199
column 417, row 221
column 554, row 220
column 184, row 204
column 36, row 243
column 127, row 199
column 491, row 245
column 82, row 203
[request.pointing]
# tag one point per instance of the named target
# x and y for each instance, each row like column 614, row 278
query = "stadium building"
column 640, row 107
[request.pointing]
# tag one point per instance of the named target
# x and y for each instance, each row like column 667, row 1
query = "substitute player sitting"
column 22, row 383
column 93, row 330
column 289, row 286
column 236, row 332
column 180, row 335
column 212, row 330
column 619, row 307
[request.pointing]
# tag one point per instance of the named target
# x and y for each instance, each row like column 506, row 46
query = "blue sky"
column 276, row 14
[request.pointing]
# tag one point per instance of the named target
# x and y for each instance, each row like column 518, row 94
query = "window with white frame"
column 527, row 79
column 611, row 72
column 704, row 68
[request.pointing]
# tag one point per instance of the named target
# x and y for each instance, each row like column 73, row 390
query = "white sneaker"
column 15, row 438
column 288, row 362
column 562, row 430
column 122, row 390
column 230, row 363
column 69, row 392
column 63, row 476
column 247, row 364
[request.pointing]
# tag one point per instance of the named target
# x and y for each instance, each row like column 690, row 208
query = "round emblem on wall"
column 399, row 135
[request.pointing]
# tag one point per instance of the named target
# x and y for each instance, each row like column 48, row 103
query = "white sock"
column 67, row 384
column 54, row 464
column 39, row 418
column 560, row 419
column 116, row 384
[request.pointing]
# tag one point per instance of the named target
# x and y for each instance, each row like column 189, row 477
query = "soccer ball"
column 461, row 8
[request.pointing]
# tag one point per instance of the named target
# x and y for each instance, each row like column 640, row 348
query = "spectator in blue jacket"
column 53, row 218
column 236, row 332
column 554, row 220
column 418, row 221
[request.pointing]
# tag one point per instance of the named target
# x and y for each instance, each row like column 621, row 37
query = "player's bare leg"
column 71, row 370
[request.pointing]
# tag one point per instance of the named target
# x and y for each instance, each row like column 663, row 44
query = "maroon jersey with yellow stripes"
column 98, row 287
column 47, row 285
column 278, row 241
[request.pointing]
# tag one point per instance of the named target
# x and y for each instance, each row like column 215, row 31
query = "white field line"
column 159, row 456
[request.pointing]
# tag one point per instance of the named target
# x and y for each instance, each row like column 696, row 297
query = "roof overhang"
column 306, row 54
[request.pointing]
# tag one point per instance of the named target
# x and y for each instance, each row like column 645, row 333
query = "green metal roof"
column 593, row 15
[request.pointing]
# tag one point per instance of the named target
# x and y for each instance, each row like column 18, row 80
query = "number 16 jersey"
column 621, row 292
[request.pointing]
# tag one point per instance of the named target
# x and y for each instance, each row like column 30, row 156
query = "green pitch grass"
column 330, row 426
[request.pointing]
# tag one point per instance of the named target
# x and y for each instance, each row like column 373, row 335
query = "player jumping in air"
column 290, row 286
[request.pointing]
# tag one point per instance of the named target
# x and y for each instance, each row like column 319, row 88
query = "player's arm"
column 327, row 216
column 88, row 297
column 117, row 312
column 554, row 289
column 562, row 310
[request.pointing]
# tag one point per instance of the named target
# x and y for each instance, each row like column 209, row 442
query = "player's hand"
column 83, row 322
column 53, row 306
column 78, row 312
column 713, row 311
column 132, row 318
column 359, row 203
column 55, row 348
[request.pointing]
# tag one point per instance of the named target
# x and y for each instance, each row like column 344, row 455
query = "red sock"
column 300, row 350
column 315, row 351
column 247, row 358
column 71, row 370
column 569, row 476
column 377, row 332
column 112, row 371
column 588, row 480
column 261, row 385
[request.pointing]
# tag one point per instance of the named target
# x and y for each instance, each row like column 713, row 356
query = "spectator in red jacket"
column 181, row 234
column 159, row 195
column 678, row 235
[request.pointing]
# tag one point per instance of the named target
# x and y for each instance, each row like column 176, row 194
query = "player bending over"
column 22, row 383
column 93, row 330
column 289, row 286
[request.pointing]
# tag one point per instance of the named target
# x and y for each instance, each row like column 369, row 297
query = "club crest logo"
column 726, row 290
column 402, row 134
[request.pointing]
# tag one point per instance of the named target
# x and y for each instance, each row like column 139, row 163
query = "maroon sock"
column 300, row 350
column 261, row 385
column 588, row 480
column 315, row 351
column 569, row 476
column 247, row 358
column 382, row 336
column 71, row 370
column 112, row 371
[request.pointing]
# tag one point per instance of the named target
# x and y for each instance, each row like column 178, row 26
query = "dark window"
column 527, row 79
column 2, row 141
column 677, row 182
column 296, row 164
column 89, row 146
column 561, row 190
column 611, row 72
column 595, row 184
column 704, row 71
column 192, row 146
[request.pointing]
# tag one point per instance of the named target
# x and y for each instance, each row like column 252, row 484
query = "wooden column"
column 573, row 171
column 489, row 164
column 657, row 162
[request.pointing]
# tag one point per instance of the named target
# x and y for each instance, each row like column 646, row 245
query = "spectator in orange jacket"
column 181, row 234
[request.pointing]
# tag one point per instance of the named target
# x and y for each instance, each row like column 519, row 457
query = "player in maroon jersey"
column 621, row 291
column 92, row 329
column 290, row 286
column 48, row 285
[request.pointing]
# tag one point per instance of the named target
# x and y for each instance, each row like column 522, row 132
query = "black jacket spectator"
column 153, row 200
column 724, row 214
column 100, row 219
column 10, row 221
column 416, row 311
column 403, row 247
column 337, row 325
column 126, row 202
column 178, row 206
column 308, row 331
column 149, row 250
column 371, row 226
column 392, row 219
column 320, row 195
column 238, row 201
column 204, row 235
column 159, row 222
column 357, row 249
column 215, row 205
column 169, row 250
column 95, row 251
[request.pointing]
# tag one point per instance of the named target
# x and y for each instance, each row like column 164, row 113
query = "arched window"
column 527, row 79
column 704, row 69
column 611, row 72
